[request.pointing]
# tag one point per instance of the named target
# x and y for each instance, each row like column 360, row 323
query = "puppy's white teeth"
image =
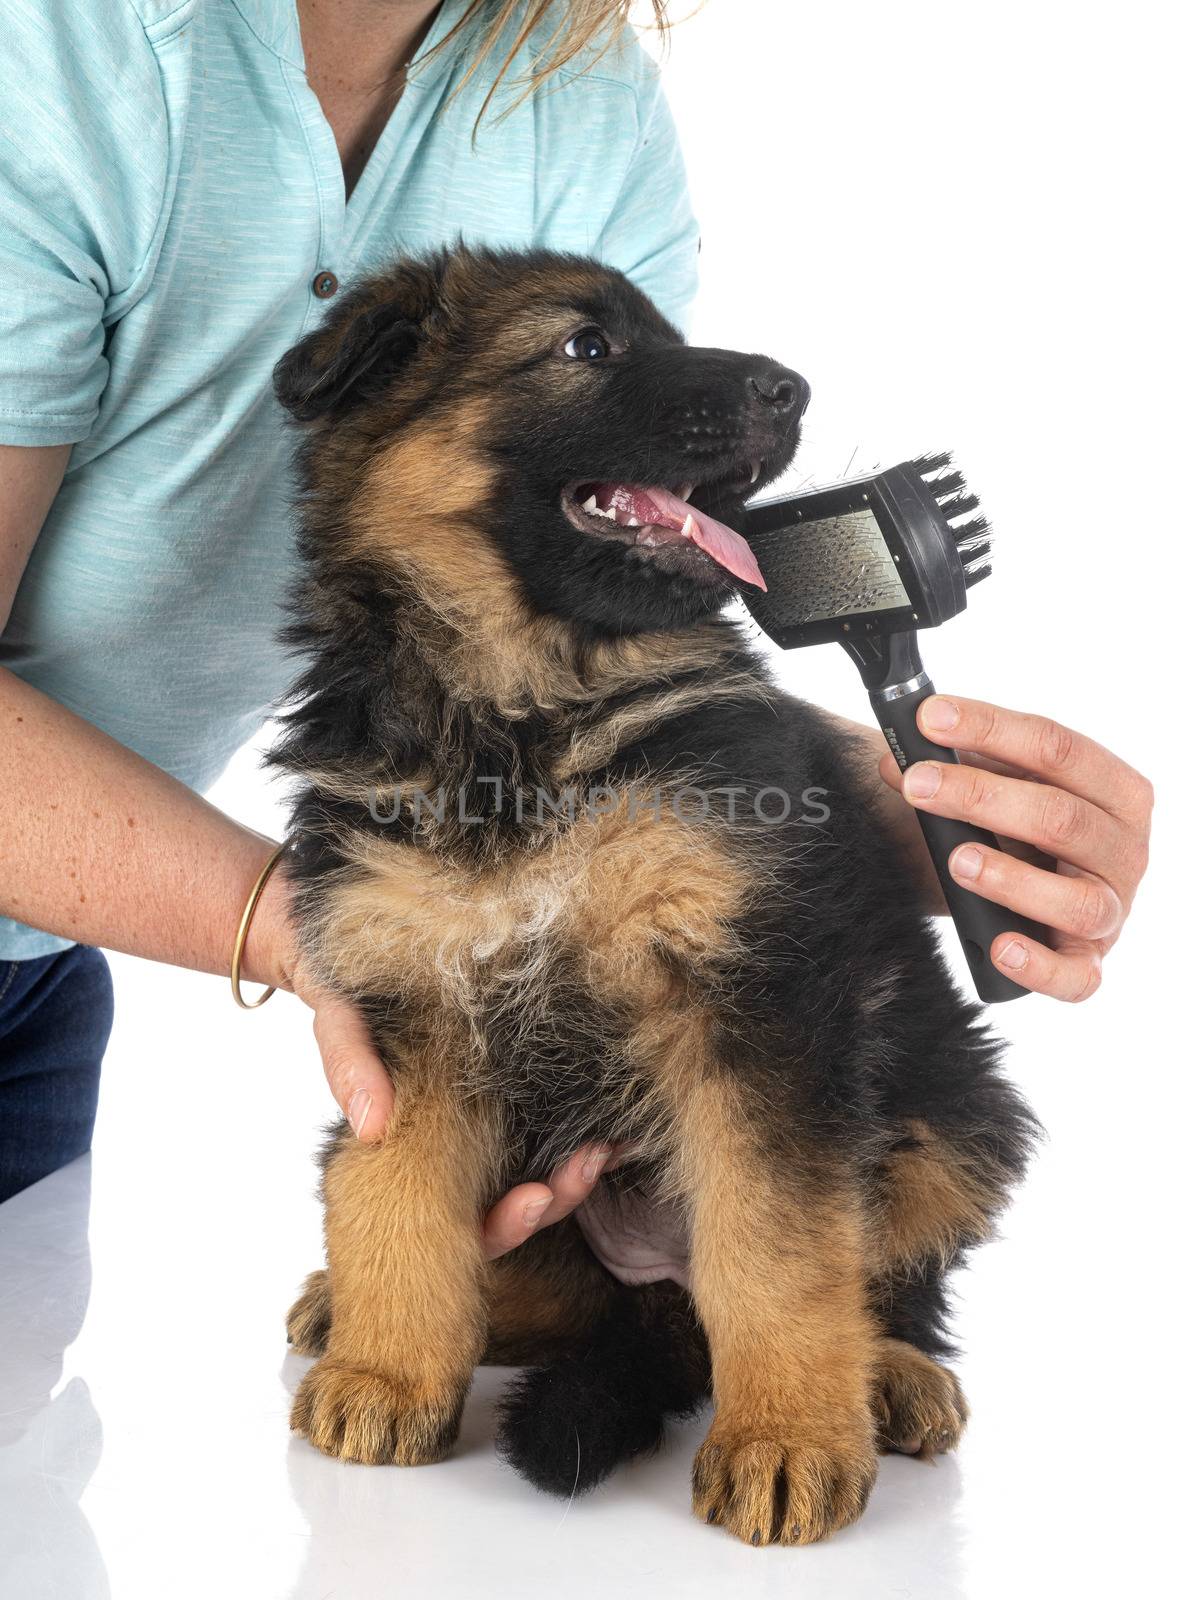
column 591, row 504
column 756, row 472
column 688, row 528
column 634, row 522
column 686, row 491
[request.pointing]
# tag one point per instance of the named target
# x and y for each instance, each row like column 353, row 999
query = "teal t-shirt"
column 169, row 193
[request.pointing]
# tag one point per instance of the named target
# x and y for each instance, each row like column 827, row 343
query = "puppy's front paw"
column 782, row 1487
column 918, row 1405
column 370, row 1417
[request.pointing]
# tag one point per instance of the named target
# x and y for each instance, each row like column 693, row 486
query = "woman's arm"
column 105, row 848
column 100, row 845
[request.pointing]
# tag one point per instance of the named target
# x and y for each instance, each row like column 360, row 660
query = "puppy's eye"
column 589, row 344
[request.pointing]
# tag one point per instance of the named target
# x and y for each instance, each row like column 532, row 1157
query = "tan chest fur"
column 640, row 902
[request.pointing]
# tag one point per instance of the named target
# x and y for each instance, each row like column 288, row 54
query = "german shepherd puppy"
column 553, row 837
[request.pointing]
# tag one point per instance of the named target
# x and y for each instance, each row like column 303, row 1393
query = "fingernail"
column 924, row 779
column 594, row 1165
column 941, row 715
column 1014, row 956
column 358, row 1108
column 966, row 862
column 532, row 1214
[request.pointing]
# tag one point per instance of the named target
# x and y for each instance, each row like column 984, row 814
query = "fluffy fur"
column 757, row 1003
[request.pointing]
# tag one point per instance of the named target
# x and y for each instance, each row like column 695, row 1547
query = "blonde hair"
column 577, row 27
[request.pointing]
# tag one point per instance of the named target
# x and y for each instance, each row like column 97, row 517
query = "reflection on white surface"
column 50, row 1436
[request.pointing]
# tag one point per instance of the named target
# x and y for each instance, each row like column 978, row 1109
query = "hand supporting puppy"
column 1075, row 821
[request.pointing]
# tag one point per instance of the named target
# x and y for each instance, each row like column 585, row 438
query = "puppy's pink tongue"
column 662, row 509
column 722, row 544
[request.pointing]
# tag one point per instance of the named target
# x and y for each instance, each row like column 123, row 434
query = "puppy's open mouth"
column 656, row 519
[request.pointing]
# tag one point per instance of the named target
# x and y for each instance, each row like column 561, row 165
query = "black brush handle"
column 978, row 921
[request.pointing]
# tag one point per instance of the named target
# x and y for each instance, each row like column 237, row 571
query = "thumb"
column 360, row 1084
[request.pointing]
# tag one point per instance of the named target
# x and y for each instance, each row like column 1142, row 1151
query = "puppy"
column 591, row 877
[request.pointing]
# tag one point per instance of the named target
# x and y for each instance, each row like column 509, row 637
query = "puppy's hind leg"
column 308, row 1325
column 918, row 1405
column 938, row 1195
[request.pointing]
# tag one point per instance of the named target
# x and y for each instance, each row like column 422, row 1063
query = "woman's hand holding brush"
column 1074, row 819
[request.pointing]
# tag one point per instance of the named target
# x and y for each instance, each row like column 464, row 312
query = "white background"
column 960, row 223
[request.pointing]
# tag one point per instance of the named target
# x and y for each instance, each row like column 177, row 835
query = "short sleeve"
column 83, row 153
column 652, row 235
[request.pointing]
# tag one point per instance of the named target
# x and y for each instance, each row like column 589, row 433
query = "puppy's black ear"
column 362, row 346
column 324, row 373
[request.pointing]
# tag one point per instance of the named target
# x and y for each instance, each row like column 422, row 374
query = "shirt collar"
column 275, row 23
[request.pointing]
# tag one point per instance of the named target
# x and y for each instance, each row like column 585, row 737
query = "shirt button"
column 324, row 285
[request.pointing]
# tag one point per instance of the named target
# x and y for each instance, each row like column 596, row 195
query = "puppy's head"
column 485, row 417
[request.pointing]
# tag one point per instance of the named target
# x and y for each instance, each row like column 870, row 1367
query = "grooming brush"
column 867, row 563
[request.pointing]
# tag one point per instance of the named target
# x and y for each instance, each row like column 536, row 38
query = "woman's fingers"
column 1081, row 811
column 1078, row 904
column 892, row 773
column 360, row 1084
column 531, row 1206
column 514, row 1217
column 1071, row 762
column 1053, row 820
column 1071, row 972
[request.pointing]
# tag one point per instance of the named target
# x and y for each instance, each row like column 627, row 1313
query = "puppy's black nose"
column 781, row 390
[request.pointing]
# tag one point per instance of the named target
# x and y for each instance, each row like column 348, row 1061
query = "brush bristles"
column 973, row 537
column 925, row 465
column 947, row 483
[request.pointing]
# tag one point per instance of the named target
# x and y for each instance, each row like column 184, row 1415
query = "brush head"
column 877, row 555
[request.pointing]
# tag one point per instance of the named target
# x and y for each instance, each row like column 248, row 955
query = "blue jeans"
column 55, row 1018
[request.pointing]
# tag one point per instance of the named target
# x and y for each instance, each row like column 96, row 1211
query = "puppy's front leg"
column 778, row 1276
column 407, row 1283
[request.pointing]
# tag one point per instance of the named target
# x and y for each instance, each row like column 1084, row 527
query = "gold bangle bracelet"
column 242, row 932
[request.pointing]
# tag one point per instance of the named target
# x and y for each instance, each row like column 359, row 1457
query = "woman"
column 184, row 187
